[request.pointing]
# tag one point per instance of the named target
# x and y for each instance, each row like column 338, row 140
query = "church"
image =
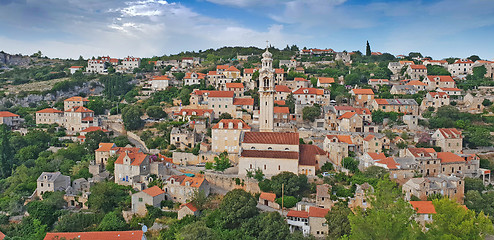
column 270, row 151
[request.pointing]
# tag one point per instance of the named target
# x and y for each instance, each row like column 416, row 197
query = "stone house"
column 311, row 222
column 449, row 139
column 435, row 100
column 325, row 82
column 193, row 78
column 360, row 197
column 51, row 182
column 10, row 119
column 305, row 96
column 350, row 122
column 237, row 88
column 371, row 143
column 182, row 188
column 152, row 196
column 160, row 83
column 194, row 113
column 132, row 169
column 461, row 67
column 49, row 116
column 419, row 85
column 72, row 102
column 282, row 92
column 435, row 82
column 362, row 97
column 405, row 106
column 424, row 210
column 268, row 199
column 416, row 72
column 323, row 197
column 337, row 147
column 403, row 89
column 378, row 82
column 226, row 135
column 450, row 186
column 187, row 209
column 450, row 91
column 182, row 138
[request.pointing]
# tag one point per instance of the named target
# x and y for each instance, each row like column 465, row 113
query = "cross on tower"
column 267, row 44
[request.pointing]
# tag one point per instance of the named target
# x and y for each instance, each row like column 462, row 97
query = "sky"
column 146, row 28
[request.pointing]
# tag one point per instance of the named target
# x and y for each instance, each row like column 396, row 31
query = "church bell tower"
column 266, row 93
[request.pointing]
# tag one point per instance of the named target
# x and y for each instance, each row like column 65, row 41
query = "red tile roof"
column 308, row 154
column 192, row 181
column 311, row 91
column 80, row 109
column 269, row 154
column 416, row 83
column 450, row 132
column 221, row 94
column 136, row 159
column 440, row 94
column 7, row 114
column 433, row 78
column 318, row 212
column 194, row 112
column 160, row 78
column 299, row 214
column 199, row 75
column 426, row 152
column 342, row 138
column 347, row 115
column 118, row 235
column 389, row 162
column 88, row 119
column 249, row 70
column 282, row 110
column 226, row 123
column 300, row 79
column 243, row 101
column 212, row 73
column 234, row 85
column 423, row 207
column 76, row 67
column 381, row 101
column 325, row 80
column 449, row 157
column 376, row 156
column 363, row 91
column 190, row 206
column 461, row 61
column 282, row 88
column 105, row 147
column 49, row 110
column 280, row 102
column 287, row 138
column 222, row 67
column 406, row 62
column 153, row 191
column 94, row 129
column 450, row 89
column 362, row 111
column 232, row 69
column 415, row 66
column 268, row 196
column 369, row 137
column 77, row 99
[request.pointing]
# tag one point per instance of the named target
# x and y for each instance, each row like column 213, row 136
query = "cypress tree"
column 368, row 49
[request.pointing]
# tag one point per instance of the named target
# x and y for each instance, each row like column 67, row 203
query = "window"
column 140, row 199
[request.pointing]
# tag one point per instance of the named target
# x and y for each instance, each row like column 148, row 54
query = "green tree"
column 474, row 58
column 389, row 217
column 106, row 196
column 131, row 116
column 199, row 199
column 197, row 230
column 6, row 153
column 113, row 221
column 327, row 166
column 337, row 220
column 236, row 206
column 93, row 139
column 293, row 185
column 351, row 164
column 221, row 162
column 225, row 115
column 452, row 221
column 368, row 51
column 155, row 112
column 77, row 222
column 288, row 201
column 311, row 113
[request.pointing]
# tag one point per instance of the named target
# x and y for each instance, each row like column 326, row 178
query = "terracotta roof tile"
column 105, row 147
column 341, row 138
column 221, row 94
column 160, row 78
column 416, row 83
column 243, row 101
column 440, row 94
column 49, row 110
column 376, row 156
column 268, row 196
column 325, row 80
column 280, row 102
column 80, row 109
column 318, row 212
column 94, row 129
column 389, row 162
column 347, row 115
column 190, row 206
column 77, row 99
column 421, row 152
column 449, row 157
column 282, row 88
column 299, row 214
column 440, row 78
column 153, row 191
column 232, row 69
column 194, row 112
column 450, row 132
column 311, row 91
column 308, row 154
column 234, row 85
column 363, row 91
column 287, row 138
column 423, row 207
column 369, row 137
column 300, row 79
column 415, row 66
column 7, row 114
column 281, row 110
column 279, row 71
column 136, row 159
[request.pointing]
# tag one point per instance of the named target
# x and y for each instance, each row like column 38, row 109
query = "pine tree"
column 6, row 154
column 368, row 49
